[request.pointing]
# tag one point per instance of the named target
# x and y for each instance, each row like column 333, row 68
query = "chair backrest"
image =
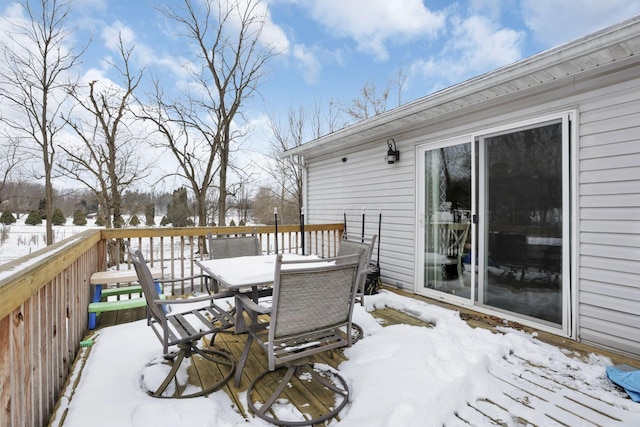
column 351, row 247
column 147, row 283
column 457, row 234
column 311, row 300
column 229, row 247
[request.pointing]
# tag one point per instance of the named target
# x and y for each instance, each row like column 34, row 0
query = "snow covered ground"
column 24, row 239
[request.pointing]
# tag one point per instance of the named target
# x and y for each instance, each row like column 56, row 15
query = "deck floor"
column 532, row 393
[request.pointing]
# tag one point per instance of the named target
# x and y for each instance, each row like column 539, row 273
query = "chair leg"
column 223, row 360
column 276, row 394
column 338, row 388
column 460, row 272
column 357, row 333
column 175, row 365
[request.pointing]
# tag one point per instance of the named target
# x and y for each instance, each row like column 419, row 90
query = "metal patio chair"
column 183, row 329
column 446, row 259
column 310, row 313
column 455, row 240
column 230, row 247
column 355, row 247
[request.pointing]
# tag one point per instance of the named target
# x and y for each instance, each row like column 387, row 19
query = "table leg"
column 240, row 325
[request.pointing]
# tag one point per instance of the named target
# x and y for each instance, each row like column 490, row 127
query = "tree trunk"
column 201, row 199
column 222, row 201
column 202, row 219
column 118, row 222
column 48, row 195
column 48, row 186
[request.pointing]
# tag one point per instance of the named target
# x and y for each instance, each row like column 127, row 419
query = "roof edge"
column 563, row 53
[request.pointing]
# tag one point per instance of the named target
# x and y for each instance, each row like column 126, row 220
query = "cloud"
column 308, row 62
column 272, row 34
column 482, row 45
column 475, row 45
column 555, row 22
column 374, row 23
column 143, row 54
column 91, row 6
column 111, row 33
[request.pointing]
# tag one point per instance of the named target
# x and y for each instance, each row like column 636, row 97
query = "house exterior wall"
column 366, row 181
column 606, row 180
column 609, row 218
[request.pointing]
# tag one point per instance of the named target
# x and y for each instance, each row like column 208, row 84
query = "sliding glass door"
column 446, row 218
column 493, row 220
column 523, row 204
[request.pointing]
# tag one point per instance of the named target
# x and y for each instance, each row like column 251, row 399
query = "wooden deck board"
column 389, row 316
column 536, row 392
column 311, row 399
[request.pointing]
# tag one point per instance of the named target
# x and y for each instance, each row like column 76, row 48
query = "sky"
column 330, row 49
column 398, row 375
column 333, row 47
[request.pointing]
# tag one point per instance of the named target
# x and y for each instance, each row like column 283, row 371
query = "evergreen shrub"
column 58, row 217
column 7, row 218
column 79, row 218
column 34, row 218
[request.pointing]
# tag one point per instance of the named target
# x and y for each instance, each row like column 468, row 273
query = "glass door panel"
column 522, row 234
column 447, row 219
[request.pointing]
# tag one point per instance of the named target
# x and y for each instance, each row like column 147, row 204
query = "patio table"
column 237, row 274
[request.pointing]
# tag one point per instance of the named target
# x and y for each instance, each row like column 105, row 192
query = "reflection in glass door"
column 447, row 219
column 521, row 234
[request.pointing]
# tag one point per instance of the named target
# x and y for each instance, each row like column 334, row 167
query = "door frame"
column 421, row 149
column 570, row 220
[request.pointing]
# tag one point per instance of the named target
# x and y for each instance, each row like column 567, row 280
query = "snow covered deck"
column 519, row 388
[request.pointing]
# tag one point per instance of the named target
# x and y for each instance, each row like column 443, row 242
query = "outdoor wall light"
column 393, row 155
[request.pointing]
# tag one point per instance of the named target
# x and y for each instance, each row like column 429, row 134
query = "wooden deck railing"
column 44, row 298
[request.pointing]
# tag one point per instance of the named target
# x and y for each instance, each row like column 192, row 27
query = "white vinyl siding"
column 605, row 179
column 609, row 233
column 365, row 180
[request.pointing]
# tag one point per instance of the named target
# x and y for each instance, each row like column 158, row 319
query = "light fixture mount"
column 393, row 155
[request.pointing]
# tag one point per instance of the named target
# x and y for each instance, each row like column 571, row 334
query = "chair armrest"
column 248, row 304
column 192, row 300
column 182, row 279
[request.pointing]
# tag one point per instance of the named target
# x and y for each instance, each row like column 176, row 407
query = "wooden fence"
column 44, row 298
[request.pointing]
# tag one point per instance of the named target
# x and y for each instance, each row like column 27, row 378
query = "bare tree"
column 191, row 140
column 287, row 172
column 107, row 162
column 11, row 159
column 243, row 204
column 37, row 60
column 229, row 61
column 371, row 102
column 300, row 126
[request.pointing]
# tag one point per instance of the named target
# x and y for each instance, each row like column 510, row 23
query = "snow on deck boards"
column 538, row 393
column 308, row 401
column 528, row 396
column 534, row 393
